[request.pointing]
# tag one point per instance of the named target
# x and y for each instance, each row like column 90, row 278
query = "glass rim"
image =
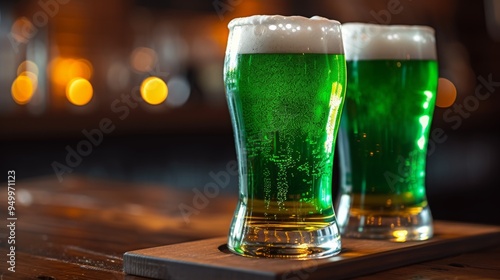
column 390, row 27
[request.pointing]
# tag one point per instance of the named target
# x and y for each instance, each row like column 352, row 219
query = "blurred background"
column 71, row 73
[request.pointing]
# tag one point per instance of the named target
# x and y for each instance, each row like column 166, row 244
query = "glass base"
column 398, row 228
column 286, row 242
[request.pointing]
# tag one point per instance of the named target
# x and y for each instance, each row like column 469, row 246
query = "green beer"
column 383, row 145
column 284, row 117
column 393, row 180
column 285, row 110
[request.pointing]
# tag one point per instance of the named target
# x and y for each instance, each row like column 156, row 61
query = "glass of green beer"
column 391, row 90
column 285, row 86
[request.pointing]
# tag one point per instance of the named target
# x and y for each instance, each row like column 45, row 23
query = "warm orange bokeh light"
column 22, row 89
column 447, row 93
column 64, row 70
column 154, row 90
column 22, row 30
column 143, row 59
column 81, row 68
column 33, row 77
column 79, row 91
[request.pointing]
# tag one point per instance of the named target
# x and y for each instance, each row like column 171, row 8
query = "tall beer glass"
column 391, row 90
column 285, row 80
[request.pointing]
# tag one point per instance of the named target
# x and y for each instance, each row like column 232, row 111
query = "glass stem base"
column 398, row 228
column 285, row 242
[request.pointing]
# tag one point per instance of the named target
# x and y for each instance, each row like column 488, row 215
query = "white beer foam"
column 284, row 34
column 366, row 41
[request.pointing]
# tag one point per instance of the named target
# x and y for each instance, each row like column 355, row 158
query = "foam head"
column 284, row 34
column 365, row 41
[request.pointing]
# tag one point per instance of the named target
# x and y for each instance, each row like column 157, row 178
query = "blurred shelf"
column 192, row 118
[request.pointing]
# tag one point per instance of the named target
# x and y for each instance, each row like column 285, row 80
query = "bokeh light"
column 64, row 70
column 27, row 66
column 143, row 59
column 22, row 89
column 179, row 91
column 154, row 90
column 447, row 93
column 33, row 78
column 81, row 68
column 22, row 30
column 79, row 91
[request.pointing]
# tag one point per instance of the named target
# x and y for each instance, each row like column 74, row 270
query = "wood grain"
column 83, row 226
column 209, row 259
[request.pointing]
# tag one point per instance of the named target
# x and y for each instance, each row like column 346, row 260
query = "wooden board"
column 210, row 259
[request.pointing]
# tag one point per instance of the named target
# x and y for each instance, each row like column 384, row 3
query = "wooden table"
column 79, row 229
